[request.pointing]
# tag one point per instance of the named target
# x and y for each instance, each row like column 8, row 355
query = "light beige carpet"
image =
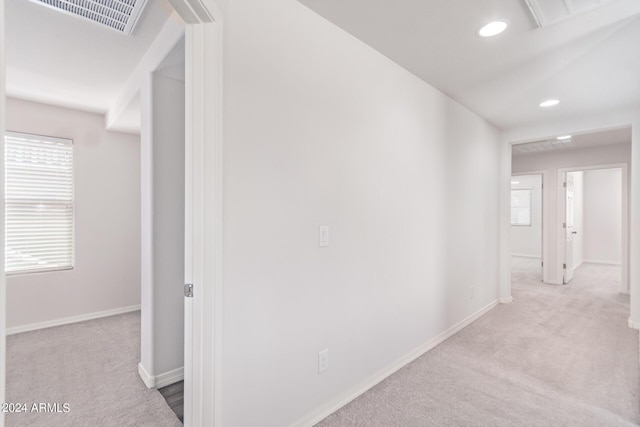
column 92, row 366
column 557, row 356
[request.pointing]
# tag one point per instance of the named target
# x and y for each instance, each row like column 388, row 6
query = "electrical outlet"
column 323, row 361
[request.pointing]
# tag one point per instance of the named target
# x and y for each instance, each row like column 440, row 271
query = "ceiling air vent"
column 119, row 15
column 536, row 147
column 548, row 12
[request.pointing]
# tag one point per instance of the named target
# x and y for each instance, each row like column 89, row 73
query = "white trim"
column 633, row 325
column 72, row 319
column 160, row 380
column 528, row 255
column 169, row 35
column 343, row 399
column 507, row 300
column 633, row 214
column 504, row 226
column 148, row 379
column 170, row 377
column 601, row 261
column 203, row 210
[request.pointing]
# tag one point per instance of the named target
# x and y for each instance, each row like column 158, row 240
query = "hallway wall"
column 322, row 130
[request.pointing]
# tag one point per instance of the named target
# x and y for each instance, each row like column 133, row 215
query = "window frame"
column 58, row 140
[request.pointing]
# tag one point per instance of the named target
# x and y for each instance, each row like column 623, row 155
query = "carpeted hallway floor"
column 557, row 356
column 92, row 366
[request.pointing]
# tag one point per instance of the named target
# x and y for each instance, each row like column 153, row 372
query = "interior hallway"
column 558, row 355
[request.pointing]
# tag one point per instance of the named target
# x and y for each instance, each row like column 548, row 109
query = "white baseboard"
column 602, row 261
column 633, row 325
column 73, row 319
column 160, row 380
column 507, row 300
column 528, row 255
column 147, row 379
column 169, row 377
column 329, row 408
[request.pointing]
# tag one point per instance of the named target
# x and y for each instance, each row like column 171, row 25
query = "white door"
column 569, row 228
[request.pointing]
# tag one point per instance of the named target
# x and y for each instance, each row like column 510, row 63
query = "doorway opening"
column 526, row 227
column 595, row 223
column 202, row 193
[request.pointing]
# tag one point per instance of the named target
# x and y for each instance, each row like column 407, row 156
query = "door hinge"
column 542, row 264
column 564, row 266
column 564, row 184
column 564, row 225
column 188, row 290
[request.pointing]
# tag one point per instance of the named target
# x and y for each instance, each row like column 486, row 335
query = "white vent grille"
column 537, row 147
column 119, row 15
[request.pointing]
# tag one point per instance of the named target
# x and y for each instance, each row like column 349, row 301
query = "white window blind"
column 521, row 207
column 38, row 203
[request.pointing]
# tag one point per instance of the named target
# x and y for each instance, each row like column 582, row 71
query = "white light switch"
column 324, row 235
column 323, row 361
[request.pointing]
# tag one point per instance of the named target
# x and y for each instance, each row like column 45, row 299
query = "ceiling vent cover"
column 536, row 147
column 119, row 15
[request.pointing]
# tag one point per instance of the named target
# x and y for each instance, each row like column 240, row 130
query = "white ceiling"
column 589, row 61
column 63, row 60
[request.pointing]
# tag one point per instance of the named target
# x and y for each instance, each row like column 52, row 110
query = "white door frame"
column 3, row 290
column 567, row 255
column 203, row 138
column 624, row 279
column 203, row 209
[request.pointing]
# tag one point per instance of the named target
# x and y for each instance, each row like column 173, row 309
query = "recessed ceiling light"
column 492, row 29
column 563, row 137
column 549, row 103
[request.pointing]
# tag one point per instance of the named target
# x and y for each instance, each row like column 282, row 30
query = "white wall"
column 527, row 240
column 602, row 216
column 322, row 130
column 106, row 275
column 163, row 192
column 550, row 163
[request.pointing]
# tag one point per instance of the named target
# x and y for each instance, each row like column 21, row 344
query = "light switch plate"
column 323, row 361
column 323, row 235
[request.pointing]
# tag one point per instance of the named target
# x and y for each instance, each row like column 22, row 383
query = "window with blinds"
column 38, row 203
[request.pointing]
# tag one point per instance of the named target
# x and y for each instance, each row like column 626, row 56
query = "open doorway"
column 526, row 227
column 595, row 224
column 203, row 216
column 91, row 303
